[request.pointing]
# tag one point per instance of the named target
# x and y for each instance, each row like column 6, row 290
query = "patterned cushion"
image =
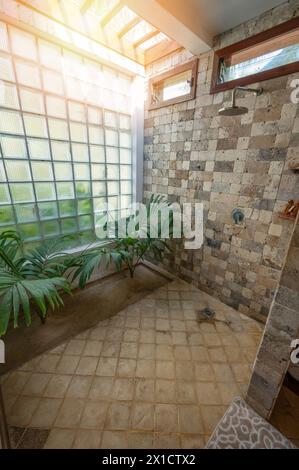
column 242, row 428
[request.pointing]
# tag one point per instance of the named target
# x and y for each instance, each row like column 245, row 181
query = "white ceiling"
column 223, row 15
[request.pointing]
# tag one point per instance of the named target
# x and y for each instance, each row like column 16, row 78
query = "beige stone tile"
column 79, row 387
column 16, row 382
column 207, row 328
column 98, row 333
column 208, row 393
column 93, row 348
column 165, row 391
column 36, row 385
column 190, row 419
column 123, row 389
column 179, row 338
column 129, row 350
column 126, row 367
column 87, row 365
column 67, row 364
column 195, row 339
column 148, row 323
column 234, row 354
column 241, row 372
column 48, row 363
column 145, row 368
column 211, row 340
column 70, row 413
column 101, row 388
column 211, row 416
column 217, row 354
column 143, row 416
column 131, row 334
column 75, row 347
column 192, row 441
column 185, row 392
column 114, row 334
column 147, row 351
column 57, row 386
column 223, row 373
column 204, row 372
column 164, row 352
column 87, row 439
column 147, row 336
column 228, row 391
column 182, row 353
column 60, row 439
column 94, row 414
column 107, row 366
column 144, row 389
column 141, row 440
column 22, row 411
column 165, row 369
column 110, row 349
column 199, row 353
column 166, row 441
column 184, row 370
column 118, row 416
column 115, row 440
column 163, row 337
column 46, row 412
column 228, row 339
column 166, row 418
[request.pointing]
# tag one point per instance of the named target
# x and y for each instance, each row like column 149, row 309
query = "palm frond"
column 19, row 292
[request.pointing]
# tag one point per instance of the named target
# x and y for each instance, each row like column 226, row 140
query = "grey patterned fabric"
column 242, row 428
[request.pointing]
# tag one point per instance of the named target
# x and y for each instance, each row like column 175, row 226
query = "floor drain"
column 208, row 313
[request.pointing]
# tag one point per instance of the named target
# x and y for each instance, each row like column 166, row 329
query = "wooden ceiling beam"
column 146, row 37
column 134, row 22
column 111, row 13
column 86, row 5
column 161, row 49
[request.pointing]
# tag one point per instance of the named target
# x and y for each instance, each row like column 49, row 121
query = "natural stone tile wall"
column 194, row 155
column 281, row 329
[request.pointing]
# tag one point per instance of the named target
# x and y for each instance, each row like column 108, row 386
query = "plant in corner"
column 31, row 282
column 130, row 250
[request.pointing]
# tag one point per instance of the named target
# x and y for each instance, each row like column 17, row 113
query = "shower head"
column 233, row 109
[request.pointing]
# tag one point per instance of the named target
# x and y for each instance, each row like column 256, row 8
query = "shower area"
column 166, row 358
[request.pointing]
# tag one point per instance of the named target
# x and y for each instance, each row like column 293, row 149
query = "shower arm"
column 257, row 91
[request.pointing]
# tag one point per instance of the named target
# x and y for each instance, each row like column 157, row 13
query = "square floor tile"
column 143, row 416
column 70, row 413
column 79, row 387
column 118, row 416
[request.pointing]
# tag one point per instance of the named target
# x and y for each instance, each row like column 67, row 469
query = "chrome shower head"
column 233, row 109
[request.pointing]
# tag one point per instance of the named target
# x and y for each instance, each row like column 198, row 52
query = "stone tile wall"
column 281, row 329
column 193, row 155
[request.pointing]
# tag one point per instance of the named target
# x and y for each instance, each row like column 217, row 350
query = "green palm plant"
column 128, row 251
column 31, row 281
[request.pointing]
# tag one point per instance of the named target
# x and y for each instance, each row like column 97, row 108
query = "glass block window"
column 65, row 139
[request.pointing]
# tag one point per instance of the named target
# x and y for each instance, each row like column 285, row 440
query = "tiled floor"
column 151, row 376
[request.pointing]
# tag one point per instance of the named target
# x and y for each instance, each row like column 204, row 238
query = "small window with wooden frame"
column 175, row 86
column 269, row 54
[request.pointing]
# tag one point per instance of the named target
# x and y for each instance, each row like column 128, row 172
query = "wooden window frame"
column 247, row 43
column 191, row 65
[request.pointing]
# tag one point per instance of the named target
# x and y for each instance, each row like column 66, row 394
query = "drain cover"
column 208, row 313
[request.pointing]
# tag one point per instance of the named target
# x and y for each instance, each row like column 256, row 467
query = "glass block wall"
column 65, row 139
